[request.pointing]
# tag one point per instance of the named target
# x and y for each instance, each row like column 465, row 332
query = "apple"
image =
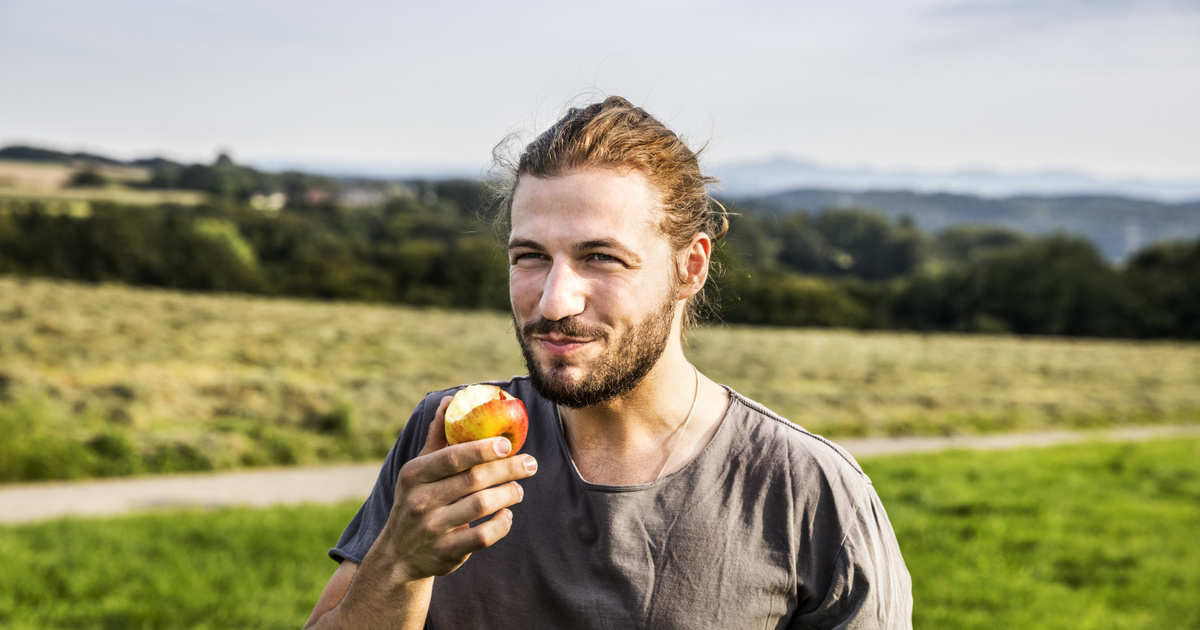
column 483, row 411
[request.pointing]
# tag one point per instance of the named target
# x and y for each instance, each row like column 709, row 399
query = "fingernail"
column 520, row 492
column 503, row 447
column 530, row 464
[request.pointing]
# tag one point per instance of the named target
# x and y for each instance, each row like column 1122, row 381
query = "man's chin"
column 563, row 385
column 562, row 377
column 566, row 395
column 571, row 369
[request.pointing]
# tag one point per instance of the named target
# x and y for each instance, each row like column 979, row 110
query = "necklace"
column 679, row 438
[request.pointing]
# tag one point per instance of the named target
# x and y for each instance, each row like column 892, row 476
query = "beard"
column 626, row 361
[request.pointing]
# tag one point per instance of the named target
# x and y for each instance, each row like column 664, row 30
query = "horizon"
column 745, row 179
column 1107, row 89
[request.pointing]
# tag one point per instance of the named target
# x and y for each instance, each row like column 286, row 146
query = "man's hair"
column 616, row 135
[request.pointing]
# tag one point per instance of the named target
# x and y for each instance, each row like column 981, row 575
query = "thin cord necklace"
column 679, row 438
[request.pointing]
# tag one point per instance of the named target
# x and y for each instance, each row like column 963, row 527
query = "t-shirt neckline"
column 565, row 451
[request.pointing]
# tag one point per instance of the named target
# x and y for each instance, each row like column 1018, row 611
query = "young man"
column 661, row 499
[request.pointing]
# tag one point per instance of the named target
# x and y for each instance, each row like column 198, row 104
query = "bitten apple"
column 483, row 411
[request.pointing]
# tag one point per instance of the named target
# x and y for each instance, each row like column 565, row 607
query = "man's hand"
column 438, row 494
column 444, row 489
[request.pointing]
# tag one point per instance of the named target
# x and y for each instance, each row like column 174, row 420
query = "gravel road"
column 21, row 503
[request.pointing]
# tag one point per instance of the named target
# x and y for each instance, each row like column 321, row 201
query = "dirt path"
column 21, row 503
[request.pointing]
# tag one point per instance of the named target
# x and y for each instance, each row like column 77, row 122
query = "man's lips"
column 560, row 345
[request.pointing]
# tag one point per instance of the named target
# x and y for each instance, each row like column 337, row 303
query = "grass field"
column 111, row 380
column 849, row 383
column 74, row 197
column 47, row 182
column 1085, row 536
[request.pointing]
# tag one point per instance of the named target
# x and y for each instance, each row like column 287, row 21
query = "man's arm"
column 404, row 609
column 438, row 494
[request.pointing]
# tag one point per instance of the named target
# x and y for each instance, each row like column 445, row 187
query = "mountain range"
column 768, row 177
column 1119, row 216
column 1118, row 226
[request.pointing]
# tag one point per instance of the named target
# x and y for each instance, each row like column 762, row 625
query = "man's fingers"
column 492, row 473
column 451, row 460
column 478, row 505
column 468, row 540
column 436, row 440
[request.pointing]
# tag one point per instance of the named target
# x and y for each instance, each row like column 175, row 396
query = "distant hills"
column 36, row 154
column 767, row 177
column 1117, row 225
column 1119, row 216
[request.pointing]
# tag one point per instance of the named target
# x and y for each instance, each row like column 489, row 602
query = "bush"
column 778, row 298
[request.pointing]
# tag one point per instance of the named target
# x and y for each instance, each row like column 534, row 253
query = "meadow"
column 48, row 183
column 1087, row 536
column 104, row 380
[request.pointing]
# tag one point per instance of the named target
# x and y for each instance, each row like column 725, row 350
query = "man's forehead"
column 592, row 204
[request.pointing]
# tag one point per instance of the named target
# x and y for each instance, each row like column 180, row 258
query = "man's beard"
column 616, row 373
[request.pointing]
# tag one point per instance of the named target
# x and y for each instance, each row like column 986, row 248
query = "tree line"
column 431, row 245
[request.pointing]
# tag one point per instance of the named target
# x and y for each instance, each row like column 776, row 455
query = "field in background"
column 1076, row 537
column 110, row 380
column 842, row 383
column 48, row 182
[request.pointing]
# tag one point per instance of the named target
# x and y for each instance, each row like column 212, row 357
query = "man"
column 646, row 496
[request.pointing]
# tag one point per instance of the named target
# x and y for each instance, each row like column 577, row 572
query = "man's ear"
column 694, row 266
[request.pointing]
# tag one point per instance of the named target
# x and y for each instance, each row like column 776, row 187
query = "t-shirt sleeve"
column 360, row 534
column 870, row 587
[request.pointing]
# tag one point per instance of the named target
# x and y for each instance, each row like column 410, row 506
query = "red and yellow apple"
column 482, row 411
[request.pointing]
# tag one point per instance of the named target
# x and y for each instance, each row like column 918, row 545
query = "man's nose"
column 563, row 293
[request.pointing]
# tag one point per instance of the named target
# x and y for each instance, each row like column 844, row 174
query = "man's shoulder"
column 769, row 431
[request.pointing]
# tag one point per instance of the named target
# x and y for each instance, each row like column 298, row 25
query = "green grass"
column 1081, row 536
column 230, row 568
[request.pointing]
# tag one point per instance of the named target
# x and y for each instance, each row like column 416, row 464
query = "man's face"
column 591, row 278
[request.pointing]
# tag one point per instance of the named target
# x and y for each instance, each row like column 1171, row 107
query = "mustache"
column 568, row 326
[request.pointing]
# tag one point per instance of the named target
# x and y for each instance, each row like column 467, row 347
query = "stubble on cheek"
column 625, row 360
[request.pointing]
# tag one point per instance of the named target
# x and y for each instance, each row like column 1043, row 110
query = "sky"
column 1105, row 87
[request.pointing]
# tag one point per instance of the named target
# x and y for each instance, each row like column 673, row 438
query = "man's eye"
column 524, row 257
column 604, row 258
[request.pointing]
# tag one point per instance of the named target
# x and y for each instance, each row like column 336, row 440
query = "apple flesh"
column 482, row 411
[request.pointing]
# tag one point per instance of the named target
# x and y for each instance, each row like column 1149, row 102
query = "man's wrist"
column 400, row 571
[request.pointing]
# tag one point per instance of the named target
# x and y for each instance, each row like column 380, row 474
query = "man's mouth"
column 561, row 345
column 564, row 337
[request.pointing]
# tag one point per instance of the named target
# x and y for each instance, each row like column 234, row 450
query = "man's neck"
column 627, row 441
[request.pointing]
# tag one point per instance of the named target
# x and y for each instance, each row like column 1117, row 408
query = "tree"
column 87, row 178
column 865, row 244
column 967, row 243
column 1166, row 278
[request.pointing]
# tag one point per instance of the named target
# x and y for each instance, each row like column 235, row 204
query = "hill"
column 1117, row 225
column 780, row 174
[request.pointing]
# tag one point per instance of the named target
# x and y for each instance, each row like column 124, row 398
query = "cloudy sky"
column 1108, row 87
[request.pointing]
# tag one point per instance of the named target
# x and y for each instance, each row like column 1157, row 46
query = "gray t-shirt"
column 769, row 527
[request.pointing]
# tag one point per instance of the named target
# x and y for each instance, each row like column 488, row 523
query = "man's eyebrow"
column 523, row 242
column 607, row 243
